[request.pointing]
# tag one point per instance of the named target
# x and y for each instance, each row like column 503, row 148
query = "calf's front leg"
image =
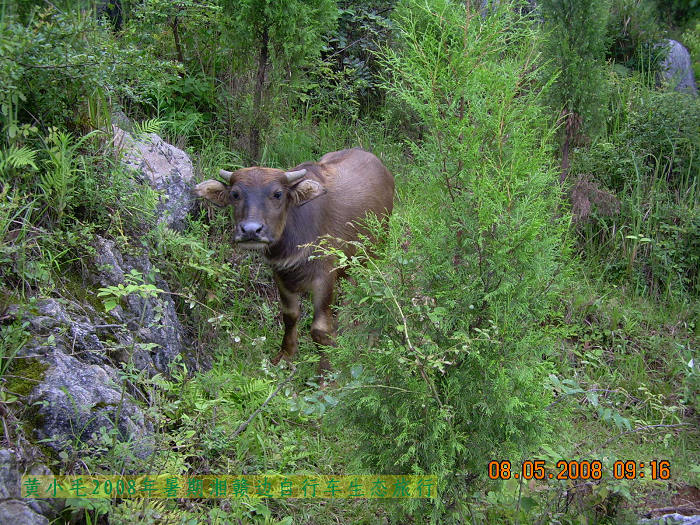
column 289, row 303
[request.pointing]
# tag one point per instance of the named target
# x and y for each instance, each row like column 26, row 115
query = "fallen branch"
column 269, row 398
column 639, row 429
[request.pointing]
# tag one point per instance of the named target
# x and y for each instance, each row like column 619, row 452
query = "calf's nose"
column 250, row 228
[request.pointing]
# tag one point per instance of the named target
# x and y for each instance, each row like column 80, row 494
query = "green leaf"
column 527, row 503
column 110, row 305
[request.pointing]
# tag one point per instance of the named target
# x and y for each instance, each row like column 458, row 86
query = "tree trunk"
column 178, row 46
column 572, row 125
column 258, row 118
column 565, row 154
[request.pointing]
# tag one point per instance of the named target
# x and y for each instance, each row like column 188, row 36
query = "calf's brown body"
column 279, row 212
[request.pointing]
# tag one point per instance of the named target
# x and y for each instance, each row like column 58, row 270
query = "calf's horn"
column 226, row 175
column 293, row 176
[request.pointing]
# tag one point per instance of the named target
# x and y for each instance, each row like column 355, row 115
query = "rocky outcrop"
column 16, row 511
column 671, row 519
column 78, row 402
column 166, row 168
column 677, row 68
column 69, row 381
column 68, row 370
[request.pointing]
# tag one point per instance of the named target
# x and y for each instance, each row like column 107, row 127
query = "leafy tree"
column 679, row 12
column 178, row 17
column 576, row 52
column 287, row 37
column 351, row 81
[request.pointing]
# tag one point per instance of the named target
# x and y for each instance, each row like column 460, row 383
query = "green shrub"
column 679, row 12
column 691, row 40
column 574, row 58
column 347, row 82
column 58, row 64
column 474, row 257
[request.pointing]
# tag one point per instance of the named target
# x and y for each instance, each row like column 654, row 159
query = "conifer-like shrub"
column 452, row 373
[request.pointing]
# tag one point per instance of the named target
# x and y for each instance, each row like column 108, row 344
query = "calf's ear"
column 305, row 191
column 213, row 191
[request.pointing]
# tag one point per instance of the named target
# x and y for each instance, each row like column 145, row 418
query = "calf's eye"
column 277, row 195
column 235, row 195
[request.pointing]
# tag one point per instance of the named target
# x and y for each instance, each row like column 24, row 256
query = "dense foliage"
column 535, row 294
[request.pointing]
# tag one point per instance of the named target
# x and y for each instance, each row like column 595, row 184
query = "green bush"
column 653, row 130
column 59, row 65
column 691, row 40
column 573, row 58
column 679, row 12
column 347, row 83
column 474, row 257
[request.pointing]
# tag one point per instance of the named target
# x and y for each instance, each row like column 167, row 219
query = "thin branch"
column 269, row 398
column 56, row 66
column 388, row 387
column 413, row 349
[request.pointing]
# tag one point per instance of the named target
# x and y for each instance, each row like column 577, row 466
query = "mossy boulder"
column 78, row 402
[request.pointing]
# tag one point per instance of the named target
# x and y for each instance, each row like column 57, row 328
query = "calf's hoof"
column 282, row 355
column 324, row 367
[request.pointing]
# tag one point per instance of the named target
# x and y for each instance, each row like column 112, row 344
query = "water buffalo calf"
column 278, row 212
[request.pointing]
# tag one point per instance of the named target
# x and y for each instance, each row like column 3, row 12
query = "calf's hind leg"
column 323, row 325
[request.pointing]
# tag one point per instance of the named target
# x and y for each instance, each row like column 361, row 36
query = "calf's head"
column 261, row 198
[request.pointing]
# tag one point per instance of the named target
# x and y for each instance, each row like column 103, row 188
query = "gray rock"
column 10, row 476
column 18, row 512
column 677, row 68
column 166, row 168
column 671, row 519
column 74, row 400
column 143, row 330
column 79, row 330
column 75, row 392
column 151, row 319
column 11, row 471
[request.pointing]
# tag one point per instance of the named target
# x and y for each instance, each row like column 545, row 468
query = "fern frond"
column 17, row 158
column 147, row 127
